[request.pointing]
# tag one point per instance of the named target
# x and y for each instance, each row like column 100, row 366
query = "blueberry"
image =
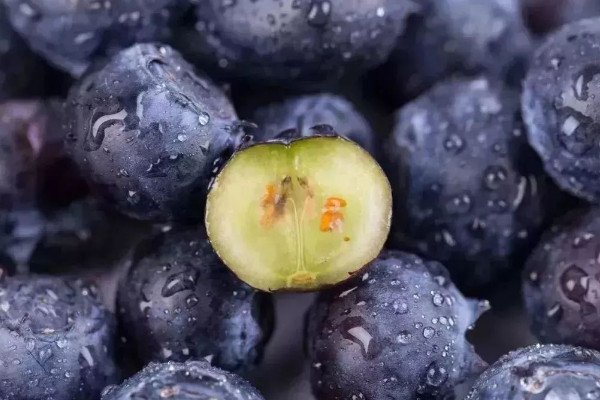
column 292, row 42
column 560, row 282
column 561, row 99
column 446, row 37
column 544, row 16
column 148, row 132
column 397, row 331
column 305, row 112
column 72, row 34
column 179, row 302
column 21, row 72
column 184, row 381
column 539, row 372
column 468, row 190
column 57, row 340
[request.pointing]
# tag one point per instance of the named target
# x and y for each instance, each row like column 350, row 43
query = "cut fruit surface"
column 299, row 215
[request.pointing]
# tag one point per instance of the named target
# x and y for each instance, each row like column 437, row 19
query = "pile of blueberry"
column 170, row 169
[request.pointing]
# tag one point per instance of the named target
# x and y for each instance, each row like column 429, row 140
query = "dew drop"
column 404, row 337
column 428, row 332
column 203, row 118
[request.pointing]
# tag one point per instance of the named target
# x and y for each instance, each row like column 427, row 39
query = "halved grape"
column 299, row 215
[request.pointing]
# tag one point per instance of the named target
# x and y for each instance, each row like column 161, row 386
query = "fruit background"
column 472, row 132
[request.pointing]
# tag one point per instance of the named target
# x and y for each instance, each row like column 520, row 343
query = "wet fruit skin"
column 544, row 16
column 305, row 112
column 292, row 42
column 185, row 381
column 21, row 72
column 71, row 35
column 397, row 331
column 455, row 37
column 147, row 132
column 560, row 107
column 481, row 206
column 541, row 372
column 560, row 281
column 57, row 339
column 179, row 302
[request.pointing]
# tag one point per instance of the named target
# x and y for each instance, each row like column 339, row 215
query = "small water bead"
column 404, row 337
column 454, row 143
column 494, row 176
column 203, row 118
column 436, row 376
column 438, row 299
column 428, row 332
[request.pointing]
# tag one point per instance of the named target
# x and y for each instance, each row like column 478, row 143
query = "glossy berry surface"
column 560, row 107
column 147, row 132
column 303, row 113
column 184, row 381
column 480, row 206
column 71, row 35
column 560, row 282
column 179, row 302
column 397, row 331
column 548, row 372
column 447, row 37
column 57, row 340
column 292, row 42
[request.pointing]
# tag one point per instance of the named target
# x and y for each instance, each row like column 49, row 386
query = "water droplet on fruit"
column 404, row 337
column 459, row 204
column 436, row 376
column 354, row 329
column 400, row 307
column 203, row 118
column 185, row 280
column 438, row 299
column 103, row 125
column 574, row 283
column 454, row 143
column 428, row 332
column 494, row 176
column 319, row 12
column 191, row 301
column 85, row 357
column 477, row 227
column 555, row 312
column 44, row 354
column 582, row 239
